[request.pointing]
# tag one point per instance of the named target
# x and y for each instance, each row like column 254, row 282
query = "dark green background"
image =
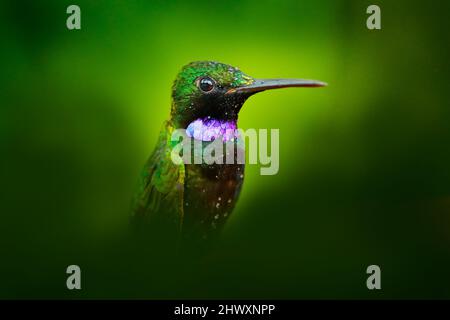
column 364, row 163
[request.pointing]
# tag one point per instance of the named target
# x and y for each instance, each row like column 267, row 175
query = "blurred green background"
column 364, row 163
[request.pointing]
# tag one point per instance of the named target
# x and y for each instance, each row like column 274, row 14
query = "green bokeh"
column 364, row 163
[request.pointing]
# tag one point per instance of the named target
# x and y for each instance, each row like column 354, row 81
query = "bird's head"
column 207, row 90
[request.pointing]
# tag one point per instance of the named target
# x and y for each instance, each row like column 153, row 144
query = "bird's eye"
column 206, row 84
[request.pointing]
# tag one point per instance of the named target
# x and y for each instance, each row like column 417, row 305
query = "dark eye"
column 206, row 84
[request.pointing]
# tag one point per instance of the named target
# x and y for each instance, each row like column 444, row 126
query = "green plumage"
column 161, row 186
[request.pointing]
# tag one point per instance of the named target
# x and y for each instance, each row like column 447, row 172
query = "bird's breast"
column 211, row 192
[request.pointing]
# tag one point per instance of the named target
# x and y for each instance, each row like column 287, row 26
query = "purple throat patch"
column 210, row 129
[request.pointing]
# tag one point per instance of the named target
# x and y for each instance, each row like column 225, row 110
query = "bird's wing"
column 159, row 198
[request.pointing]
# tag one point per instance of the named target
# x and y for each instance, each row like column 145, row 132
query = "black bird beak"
column 266, row 84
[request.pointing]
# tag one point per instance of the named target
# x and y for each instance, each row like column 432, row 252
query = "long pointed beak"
column 267, row 84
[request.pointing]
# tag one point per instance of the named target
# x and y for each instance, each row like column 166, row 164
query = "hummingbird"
column 193, row 201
